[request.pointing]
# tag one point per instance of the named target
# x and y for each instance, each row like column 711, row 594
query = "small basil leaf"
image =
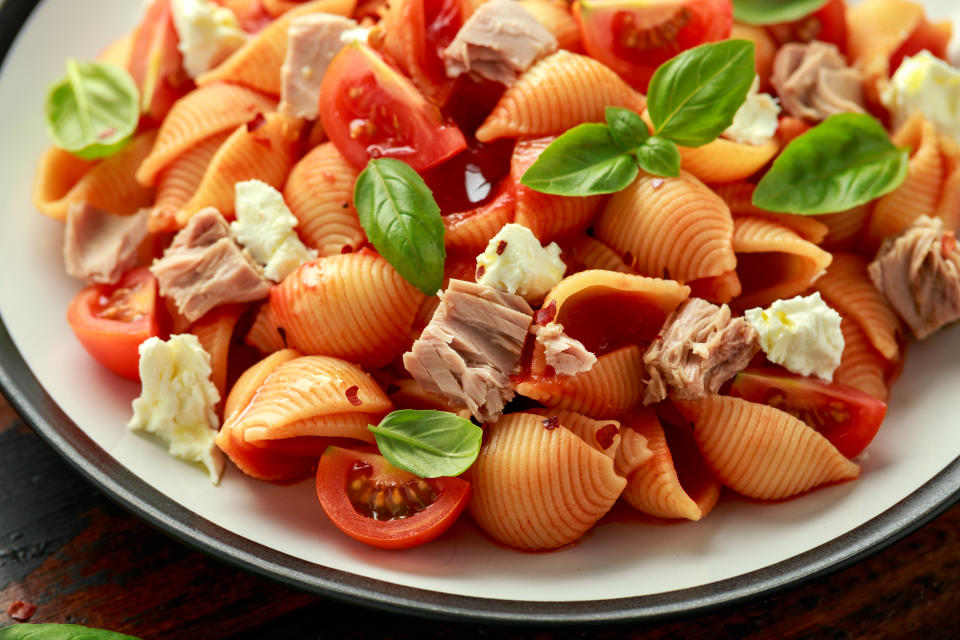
column 845, row 161
column 659, row 156
column 429, row 444
column 402, row 220
column 762, row 12
column 584, row 161
column 93, row 110
column 25, row 631
column 627, row 128
column 693, row 97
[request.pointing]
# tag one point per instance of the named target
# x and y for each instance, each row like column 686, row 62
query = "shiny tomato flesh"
column 826, row 24
column 376, row 503
column 111, row 321
column 369, row 110
column 634, row 37
column 847, row 417
column 926, row 36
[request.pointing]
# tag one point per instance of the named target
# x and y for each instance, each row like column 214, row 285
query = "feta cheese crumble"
column 265, row 227
column 802, row 334
column 178, row 401
column 929, row 85
column 208, row 34
column 516, row 262
column 756, row 120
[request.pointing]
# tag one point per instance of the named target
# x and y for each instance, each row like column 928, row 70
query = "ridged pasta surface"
column 590, row 253
column 536, row 488
column 861, row 365
column 671, row 227
column 57, row 172
column 739, row 197
column 215, row 330
column 762, row 452
column 602, row 435
column 727, row 161
column 470, row 231
column 557, row 93
column 179, row 181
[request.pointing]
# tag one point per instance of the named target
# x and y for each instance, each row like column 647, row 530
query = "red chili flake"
column 629, row 259
column 656, row 183
column 605, row 435
column 345, row 205
column 666, row 274
column 21, row 611
column 106, row 133
column 547, row 314
column 258, row 121
column 353, row 397
column 501, row 247
column 346, row 249
column 550, row 423
column 480, row 271
column 948, row 244
column 283, row 335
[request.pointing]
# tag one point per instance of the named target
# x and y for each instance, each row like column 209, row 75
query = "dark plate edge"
column 28, row 397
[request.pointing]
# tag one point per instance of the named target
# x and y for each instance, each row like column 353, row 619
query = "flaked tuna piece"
column 814, row 81
column 499, row 41
column 99, row 247
column 566, row 355
column 312, row 42
column 699, row 348
column 203, row 268
column 919, row 273
column 471, row 346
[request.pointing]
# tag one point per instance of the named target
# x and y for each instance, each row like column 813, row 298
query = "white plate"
column 622, row 570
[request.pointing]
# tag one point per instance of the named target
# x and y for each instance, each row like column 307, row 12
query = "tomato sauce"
column 604, row 319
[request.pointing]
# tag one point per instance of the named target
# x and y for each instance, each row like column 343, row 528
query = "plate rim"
column 31, row 401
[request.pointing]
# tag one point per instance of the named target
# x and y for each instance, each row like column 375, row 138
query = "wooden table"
column 81, row 559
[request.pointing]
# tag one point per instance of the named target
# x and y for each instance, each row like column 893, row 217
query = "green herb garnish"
column 774, row 11
column 426, row 443
column 25, row 631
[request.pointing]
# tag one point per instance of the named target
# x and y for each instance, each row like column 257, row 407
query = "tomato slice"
column 156, row 63
column 369, row 110
column 111, row 321
column 847, row 417
column 826, row 24
column 374, row 502
column 634, row 37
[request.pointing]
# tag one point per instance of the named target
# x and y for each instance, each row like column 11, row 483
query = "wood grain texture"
column 80, row 559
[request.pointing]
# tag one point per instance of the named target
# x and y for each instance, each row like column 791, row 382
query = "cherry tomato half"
column 634, row 37
column 370, row 110
column 111, row 321
column 847, row 417
column 374, row 502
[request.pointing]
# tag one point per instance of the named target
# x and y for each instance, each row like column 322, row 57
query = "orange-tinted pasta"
column 861, row 365
column 179, row 181
column 57, row 172
column 589, row 253
column 602, row 435
column 556, row 18
column 215, row 331
column 469, row 232
column 727, row 161
column 739, row 197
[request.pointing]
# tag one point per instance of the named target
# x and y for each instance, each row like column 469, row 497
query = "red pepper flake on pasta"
column 546, row 315
column 353, row 396
column 605, row 435
column 629, row 259
column 550, row 423
column 480, row 271
column 258, row 121
column 21, row 611
column 346, row 249
column 501, row 247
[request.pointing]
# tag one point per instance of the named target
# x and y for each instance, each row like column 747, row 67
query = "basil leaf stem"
column 402, row 221
column 761, row 12
column 428, row 443
column 845, row 161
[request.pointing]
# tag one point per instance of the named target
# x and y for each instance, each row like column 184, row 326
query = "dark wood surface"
column 81, row 559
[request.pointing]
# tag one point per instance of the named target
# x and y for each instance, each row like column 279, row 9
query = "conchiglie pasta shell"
column 319, row 192
column 215, row 330
column 556, row 18
column 844, row 228
column 602, row 435
column 847, row 287
column 557, row 93
column 179, row 181
column 861, row 365
column 257, row 63
column 203, row 112
column 469, row 232
column 670, row 227
column 353, row 306
column 536, row 488
column 264, row 333
column 720, row 289
column 762, row 452
column 948, row 208
column 57, row 172
column 408, row 394
column 263, row 462
column 727, row 161
column 587, row 252
column 265, row 153
column 614, row 384
column 252, row 379
column 739, row 197
column 773, row 262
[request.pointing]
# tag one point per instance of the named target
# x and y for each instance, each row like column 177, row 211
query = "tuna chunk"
column 699, row 348
column 566, row 355
column 499, row 41
column 203, row 268
column 919, row 273
column 471, row 346
column 99, row 247
column 312, row 42
column 814, row 81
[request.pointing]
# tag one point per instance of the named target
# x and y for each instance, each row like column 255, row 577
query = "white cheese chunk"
column 802, row 334
column 929, row 85
column 756, row 120
column 516, row 262
column 178, row 401
column 265, row 227
column 208, row 34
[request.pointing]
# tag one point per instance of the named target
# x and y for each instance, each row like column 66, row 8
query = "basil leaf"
column 843, row 162
column 762, row 12
column 627, row 128
column 24, row 631
column 659, row 156
column 428, row 443
column 402, row 221
column 93, row 111
column 693, row 97
column 584, row 161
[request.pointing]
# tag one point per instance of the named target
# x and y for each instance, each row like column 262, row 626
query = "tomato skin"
column 847, row 417
column 333, row 472
column 826, row 24
column 156, row 63
column 370, row 110
column 115, row 343
column 610, row 33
